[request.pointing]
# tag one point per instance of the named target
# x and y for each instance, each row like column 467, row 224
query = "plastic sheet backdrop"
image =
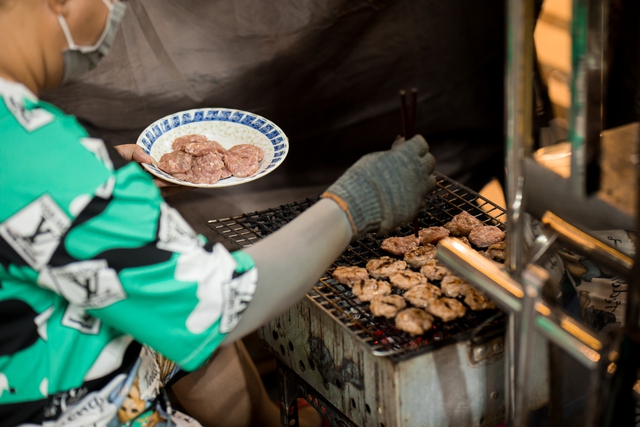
column 327, row 71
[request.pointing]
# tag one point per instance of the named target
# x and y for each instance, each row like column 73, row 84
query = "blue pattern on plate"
column 273, row 134
column 151, row 136
column 186, row 119
column 211, row 115
column 247, row 119
column 166, row 126
column 258, row 124
column 198, row 116
column 265, row 130
column 175, row 121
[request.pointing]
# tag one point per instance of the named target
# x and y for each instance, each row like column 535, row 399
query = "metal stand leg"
column 288, row 397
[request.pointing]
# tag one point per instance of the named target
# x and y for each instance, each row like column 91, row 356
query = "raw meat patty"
column 180, row 143
column 202, row 148
column 243, row 160
column 175, row 162
column 462, row 224
column 399, row 245
column 207, row 169
column 387, row 305
column 414, row 321
column 486, row 236
column 349, row 275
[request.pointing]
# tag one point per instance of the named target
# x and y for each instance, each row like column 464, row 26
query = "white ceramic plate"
column 227, row 126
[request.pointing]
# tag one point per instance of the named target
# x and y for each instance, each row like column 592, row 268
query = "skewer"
column 405, row 117
column 408, row 130
column 411, row 129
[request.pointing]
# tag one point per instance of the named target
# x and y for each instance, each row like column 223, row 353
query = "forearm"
column 291, row 261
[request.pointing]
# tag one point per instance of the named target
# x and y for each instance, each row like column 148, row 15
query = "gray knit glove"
column 385, row 189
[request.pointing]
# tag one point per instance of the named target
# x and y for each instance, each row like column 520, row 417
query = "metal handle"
column 592, row 248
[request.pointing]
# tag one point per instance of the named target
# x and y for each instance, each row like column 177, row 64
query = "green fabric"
column 156, row 285
column 244, row 261
column 385, row 189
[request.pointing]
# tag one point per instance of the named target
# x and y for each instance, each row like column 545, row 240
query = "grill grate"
column 380, row 334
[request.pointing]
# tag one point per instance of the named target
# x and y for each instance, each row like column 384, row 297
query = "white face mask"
column 80, row 59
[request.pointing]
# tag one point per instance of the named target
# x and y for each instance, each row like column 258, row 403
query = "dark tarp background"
column 327, row 72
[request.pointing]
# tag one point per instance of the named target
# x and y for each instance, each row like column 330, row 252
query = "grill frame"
column 336, row 368
column 380, row 334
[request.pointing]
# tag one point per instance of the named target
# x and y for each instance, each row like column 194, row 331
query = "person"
column 107, row 295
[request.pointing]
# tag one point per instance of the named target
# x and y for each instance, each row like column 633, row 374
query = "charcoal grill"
column 359, row 369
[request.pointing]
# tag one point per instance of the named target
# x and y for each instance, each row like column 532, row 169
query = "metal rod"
column 412, row 130
column 553, row 324
column 592, row 248
column 408, row 131
column 586, row 116
column 519, row 117
column 533, row 284
column 413, row 105
column 403, row 110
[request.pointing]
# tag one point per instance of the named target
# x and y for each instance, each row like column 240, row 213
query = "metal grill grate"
column 380, row 334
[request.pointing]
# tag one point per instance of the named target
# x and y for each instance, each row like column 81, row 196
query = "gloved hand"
column 385, row 189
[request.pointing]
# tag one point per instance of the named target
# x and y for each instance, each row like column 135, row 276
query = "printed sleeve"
column 132, row 261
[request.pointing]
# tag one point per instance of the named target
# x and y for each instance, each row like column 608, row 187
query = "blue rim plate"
column 227, row 126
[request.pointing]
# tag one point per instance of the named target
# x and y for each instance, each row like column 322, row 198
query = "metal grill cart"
column 492, row 366
column 359, row 369
column 594, row 197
